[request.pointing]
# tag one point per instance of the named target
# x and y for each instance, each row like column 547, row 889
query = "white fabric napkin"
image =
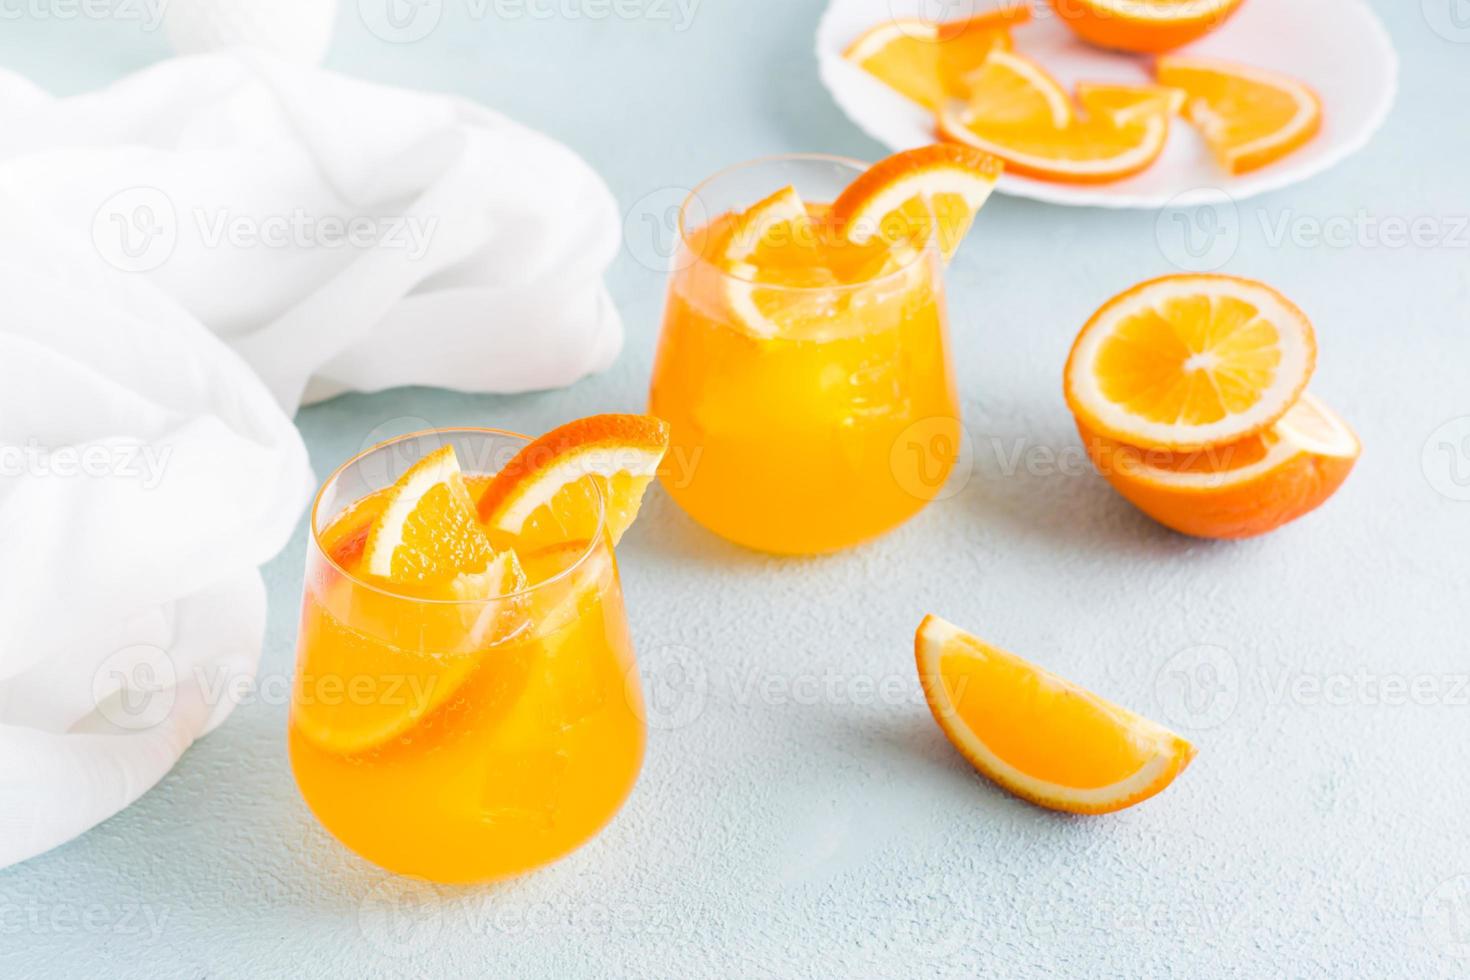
column 183, row 257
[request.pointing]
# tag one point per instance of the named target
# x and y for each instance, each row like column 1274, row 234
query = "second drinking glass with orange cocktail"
column 804, row 363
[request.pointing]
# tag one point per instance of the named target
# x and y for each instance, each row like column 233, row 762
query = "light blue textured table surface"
column 788, row 821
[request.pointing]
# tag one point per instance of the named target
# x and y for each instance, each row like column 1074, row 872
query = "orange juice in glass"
column 460, row 732
column 806, row 377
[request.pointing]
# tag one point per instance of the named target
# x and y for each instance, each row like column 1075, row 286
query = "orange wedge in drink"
column 905, row 200
column 1019, row 113
column 425, row 538
column 1250, row 117
column 421, row 540
column 1143, row 25
column 1189, row 361
column 927, row 61
column 1239, row 489
column 548, row 493
column 1038, row 735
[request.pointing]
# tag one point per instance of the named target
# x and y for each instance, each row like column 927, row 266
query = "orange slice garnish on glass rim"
column 927, row 61
column 1239, row 489
column 931, row 193
column 1189, row 361
column 1038, row 735
column 1143, row 25
column 548, row 493
column 1015, row 112
column 1249, row 116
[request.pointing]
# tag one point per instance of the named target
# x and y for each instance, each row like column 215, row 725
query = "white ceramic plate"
column 1339, row 47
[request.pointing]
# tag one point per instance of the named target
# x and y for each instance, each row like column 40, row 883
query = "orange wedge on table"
column 1189, row 361
column 1037, row 735
column 927, row 61
column 932, row 192
column 1239, row 489
column 548, row 493
column 1250, row 117
column 1143, row 25
column 1022, row 115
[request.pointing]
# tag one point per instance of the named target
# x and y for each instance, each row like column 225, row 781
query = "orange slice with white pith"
column 425, row 539
column 549, row 492
column 1037, row 735
column 1019, row 113
column 1189, row 361
column 1238, row 489
column 927, row 61
column 1250, row 117
column 913, row 197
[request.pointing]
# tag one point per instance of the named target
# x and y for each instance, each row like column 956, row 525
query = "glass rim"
column 359, row 581
column 858, row 167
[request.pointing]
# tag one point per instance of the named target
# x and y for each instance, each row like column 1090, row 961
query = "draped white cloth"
column 184, row 257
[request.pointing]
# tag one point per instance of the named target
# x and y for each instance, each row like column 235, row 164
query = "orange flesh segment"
column 1005, row 703
column 928, row 63
column 1194, row 359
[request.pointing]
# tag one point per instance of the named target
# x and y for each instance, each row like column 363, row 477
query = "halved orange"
column 1240, row 489
column 910, row 198
column 548, row 493
column 1189, row 361
column 1020, row 124
column 927, row 61
column 1249, row 116
column 1143, row 25
column 1037, row 735
column 425, row 539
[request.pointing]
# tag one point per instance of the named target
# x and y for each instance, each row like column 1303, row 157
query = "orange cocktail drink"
column 807, row 379
column 470, row 727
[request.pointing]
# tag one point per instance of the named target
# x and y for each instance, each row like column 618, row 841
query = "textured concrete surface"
column 799, row 813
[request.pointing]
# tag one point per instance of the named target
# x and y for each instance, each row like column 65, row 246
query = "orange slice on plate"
column 927, row 61
column 1010, row 90
column 1240, row 489
column 910, row 198
column 1143, row 25
column 1125, row 104
column 1004, row 116
column 1250, row 117
column 1037, row 735
column 1189, row 361
column 548, row 493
